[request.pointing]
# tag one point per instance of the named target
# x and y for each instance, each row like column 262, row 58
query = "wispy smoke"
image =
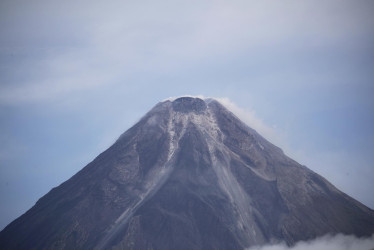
column 252, row 120
column 337, row 242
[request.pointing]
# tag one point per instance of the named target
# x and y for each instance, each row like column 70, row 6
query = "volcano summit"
column 188, row 175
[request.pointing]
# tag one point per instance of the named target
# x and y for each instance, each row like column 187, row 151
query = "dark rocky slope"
column 188, row 175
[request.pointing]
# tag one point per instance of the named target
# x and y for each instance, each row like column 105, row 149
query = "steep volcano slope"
column 188, row 175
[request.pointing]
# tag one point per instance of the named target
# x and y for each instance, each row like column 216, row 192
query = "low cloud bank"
column 337, row 242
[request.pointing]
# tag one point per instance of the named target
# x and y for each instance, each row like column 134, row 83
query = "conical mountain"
column 188, row 175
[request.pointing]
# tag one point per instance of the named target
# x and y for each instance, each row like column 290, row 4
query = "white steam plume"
column 250, row 118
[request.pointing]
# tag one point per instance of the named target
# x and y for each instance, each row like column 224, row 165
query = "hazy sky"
column 74, row 75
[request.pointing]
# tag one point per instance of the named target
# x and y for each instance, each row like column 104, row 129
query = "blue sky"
column 74, row 76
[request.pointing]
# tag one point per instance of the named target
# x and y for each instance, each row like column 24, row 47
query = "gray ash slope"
column 188, row 175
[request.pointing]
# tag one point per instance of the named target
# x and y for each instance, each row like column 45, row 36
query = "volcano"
column 188, row 175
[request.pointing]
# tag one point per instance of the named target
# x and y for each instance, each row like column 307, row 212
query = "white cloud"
column 338, row 242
